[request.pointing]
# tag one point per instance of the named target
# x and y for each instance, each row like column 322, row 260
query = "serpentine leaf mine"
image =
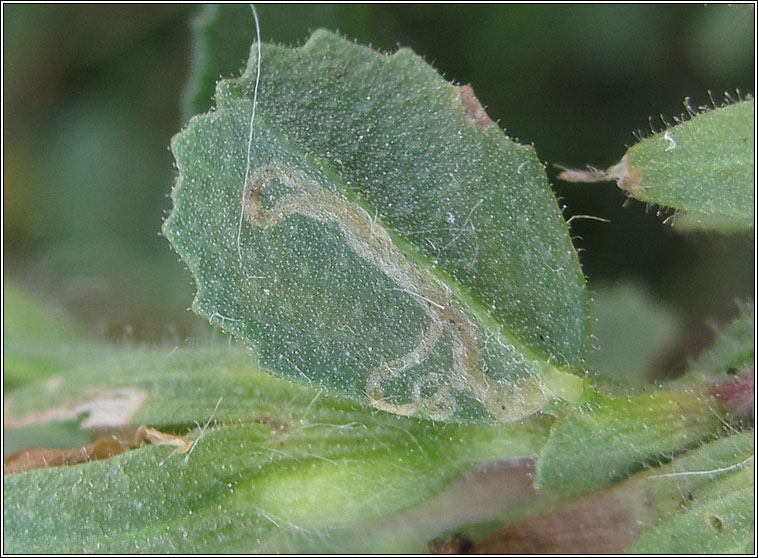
column 395, row 246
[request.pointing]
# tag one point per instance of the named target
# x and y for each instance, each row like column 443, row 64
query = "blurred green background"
column 93, row 94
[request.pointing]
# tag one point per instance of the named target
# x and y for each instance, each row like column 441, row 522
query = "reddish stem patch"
column 737, row 394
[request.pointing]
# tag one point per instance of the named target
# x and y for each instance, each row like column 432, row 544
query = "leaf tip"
column 628, row 178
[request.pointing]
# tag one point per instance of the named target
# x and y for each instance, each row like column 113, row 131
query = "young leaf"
column 703, row 167
column 374, row 232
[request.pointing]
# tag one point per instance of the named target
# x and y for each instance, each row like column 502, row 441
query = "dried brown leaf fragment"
column 107, row 446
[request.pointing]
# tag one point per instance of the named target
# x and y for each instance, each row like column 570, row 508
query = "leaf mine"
column 392, row 244
column 446, row 318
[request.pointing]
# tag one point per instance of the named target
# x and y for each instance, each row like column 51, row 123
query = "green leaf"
column 386, row 240
column 38, row 341
column 222, row 33
column 610, row 437
column 276, row 461
column 221, row 37
column 631, row 330
column 715, row 490
column 703, row 167
column 695, row 222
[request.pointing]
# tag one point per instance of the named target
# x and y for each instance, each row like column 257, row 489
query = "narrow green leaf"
column 38, row 341
column 703, row 167
column 386, row 239
column 609, row 438
column 277, row 459
column 693, row 222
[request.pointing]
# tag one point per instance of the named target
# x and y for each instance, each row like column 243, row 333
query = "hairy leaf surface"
column 712, row 490
column 272, row 460
column 702, row 499
column 632, row 430
column 381, row 237
column 704, row 165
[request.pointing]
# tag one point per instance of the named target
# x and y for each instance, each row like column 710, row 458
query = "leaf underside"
column 386, row 239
